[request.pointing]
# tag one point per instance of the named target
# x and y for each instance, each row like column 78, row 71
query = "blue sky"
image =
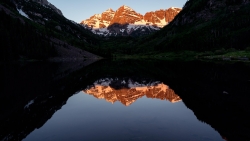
column 78, row 10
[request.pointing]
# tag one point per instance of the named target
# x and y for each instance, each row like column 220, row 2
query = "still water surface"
column 125, row 100
column 86, row 117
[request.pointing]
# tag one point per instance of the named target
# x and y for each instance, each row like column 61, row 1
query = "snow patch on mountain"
column 125, row 21
column 28, row 104
column 22, row 13
column 127, row 8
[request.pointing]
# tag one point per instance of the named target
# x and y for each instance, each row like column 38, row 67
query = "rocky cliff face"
column 125, row 21
column 128, row 91
column 161, row 17
column 100, row 20
column 126, row 15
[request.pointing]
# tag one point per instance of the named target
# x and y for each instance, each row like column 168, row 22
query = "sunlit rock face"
column 100, row 20
column 171, row 13
column 161, row 17
column 126, row 15
column 128, row 91
column 125, row 21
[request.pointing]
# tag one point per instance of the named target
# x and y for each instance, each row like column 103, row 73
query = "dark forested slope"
column 32, row 30
column 203, row 25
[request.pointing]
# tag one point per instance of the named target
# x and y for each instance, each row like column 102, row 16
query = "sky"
column 79, row 10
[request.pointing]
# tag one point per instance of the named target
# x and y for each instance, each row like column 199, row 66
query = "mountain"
column 161, row 17
column 126, row 21
column 130, row 90
column 38, row 30
column 203, row 26
column 100, row 20
column 47, row 4
column 126, row 15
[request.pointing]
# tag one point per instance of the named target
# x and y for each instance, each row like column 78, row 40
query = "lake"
column 128, row 100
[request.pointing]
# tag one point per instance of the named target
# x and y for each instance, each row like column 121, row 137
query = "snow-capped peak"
column 127, row 7
column 126, row 21
column 174, row 8
column 97, row 15
column 108, row 10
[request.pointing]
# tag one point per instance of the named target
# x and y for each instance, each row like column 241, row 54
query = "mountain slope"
column 127, row 22
column 38, row 30
column 47, row 4
column 125, row 15
column 204, row 25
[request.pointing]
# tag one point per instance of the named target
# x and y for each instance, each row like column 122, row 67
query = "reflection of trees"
column 127, row 96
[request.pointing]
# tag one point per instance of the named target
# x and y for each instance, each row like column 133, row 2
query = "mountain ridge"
column 126, row 21
column 46, row 3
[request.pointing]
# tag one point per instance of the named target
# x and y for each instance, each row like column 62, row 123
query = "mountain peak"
column 125, row 7
column 124, row 15
column 175, row 8
column 109, row 10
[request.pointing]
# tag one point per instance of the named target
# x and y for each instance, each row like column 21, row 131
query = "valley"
column 166, row 74
column 219, row 28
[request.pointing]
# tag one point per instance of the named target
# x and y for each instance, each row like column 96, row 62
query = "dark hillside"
column 30, row 30
column 20, row 39
column 204, row 25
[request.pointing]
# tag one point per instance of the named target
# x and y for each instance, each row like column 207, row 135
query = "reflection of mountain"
column 129, row 91
column 44, row 88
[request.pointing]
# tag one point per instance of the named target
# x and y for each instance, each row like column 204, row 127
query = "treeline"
column 109, row 47
column 19, row 39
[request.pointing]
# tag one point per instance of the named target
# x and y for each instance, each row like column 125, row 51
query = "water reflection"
column 38, row 100
column 127, row 91
column 86, row 118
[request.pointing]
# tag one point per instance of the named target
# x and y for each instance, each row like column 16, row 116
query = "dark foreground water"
column 126, row 101
column 87, row 118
